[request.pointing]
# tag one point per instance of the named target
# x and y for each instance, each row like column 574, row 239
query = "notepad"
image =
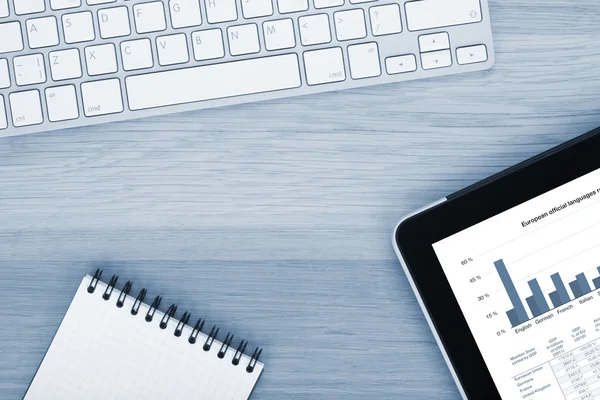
column 112, row 345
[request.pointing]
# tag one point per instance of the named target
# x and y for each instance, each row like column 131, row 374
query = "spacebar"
column 211, row 82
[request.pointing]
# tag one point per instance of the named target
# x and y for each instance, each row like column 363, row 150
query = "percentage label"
column 500, row 332
column 491, row 315
column 483, row 297
column 475, row 279
column 468, row 260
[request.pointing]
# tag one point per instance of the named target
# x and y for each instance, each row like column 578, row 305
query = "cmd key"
column 430, row 14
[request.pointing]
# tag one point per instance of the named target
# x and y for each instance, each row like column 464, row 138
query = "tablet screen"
column 528, row 283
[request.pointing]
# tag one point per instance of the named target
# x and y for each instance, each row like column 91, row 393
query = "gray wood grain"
column 273, row 220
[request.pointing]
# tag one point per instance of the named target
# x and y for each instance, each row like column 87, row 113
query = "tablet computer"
column 507, row 273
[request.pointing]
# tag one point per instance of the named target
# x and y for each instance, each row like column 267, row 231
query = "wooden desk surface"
column 274, row 220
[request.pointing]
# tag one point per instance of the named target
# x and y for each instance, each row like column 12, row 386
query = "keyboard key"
column 185, row 13
column 101, row 59
column 3, row 120
column 136, row 54
column 23, row 7
column 78, row 27
column 385, row 20
column 4, row 12
column 172, row 49
column 114, row 22
column 290, row 6
column 42, row 32
column 102, row 97
column 314, row 29
column 257, row 8
column 436, row 59
column 62, row 103
column 94, row 2
column 328, row 3
column 401, row 64
column 472, row 54
column 221, row 11
column 431, row 14
column 324, row 66
column 361, row 1
column 29, row 70
column 350, row 24
column 26, row 108
column 437, row 41
column 208, row 44
column 216, row 81
column 11, row 37
column 4, row 75
column 65, row 64
column 149, row 17
column 243, row 39
column 64, row 4
column 279, row 34
column 364, row 60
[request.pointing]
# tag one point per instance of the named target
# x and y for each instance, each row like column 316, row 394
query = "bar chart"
column 537, row 303
column 527, row 282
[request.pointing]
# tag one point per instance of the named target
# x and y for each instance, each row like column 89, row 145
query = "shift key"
column 430, row 14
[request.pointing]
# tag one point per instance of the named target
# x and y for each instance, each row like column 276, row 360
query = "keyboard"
column 69, row 63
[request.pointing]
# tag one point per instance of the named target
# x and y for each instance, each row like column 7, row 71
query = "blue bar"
column 555, row 299
column 538, row 296
column 513, row 295
column 596, row 282
column 576, row 289
column 512, row 317
column 533, row 306
column 561, row 290
column 583, row 284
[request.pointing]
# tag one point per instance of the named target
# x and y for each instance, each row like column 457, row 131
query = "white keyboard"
column 67, row 63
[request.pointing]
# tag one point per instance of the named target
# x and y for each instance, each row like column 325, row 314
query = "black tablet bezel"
column 415, row 236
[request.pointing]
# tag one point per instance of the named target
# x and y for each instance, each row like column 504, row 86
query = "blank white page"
column 104, row 352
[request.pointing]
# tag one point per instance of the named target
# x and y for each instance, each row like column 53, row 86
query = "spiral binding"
column 170, row 313
column 109, row 289
column 124, row 293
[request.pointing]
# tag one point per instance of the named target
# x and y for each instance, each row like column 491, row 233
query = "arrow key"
column 436, row 59
column 437, row 41
column 401, row 64
column 472, row 54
